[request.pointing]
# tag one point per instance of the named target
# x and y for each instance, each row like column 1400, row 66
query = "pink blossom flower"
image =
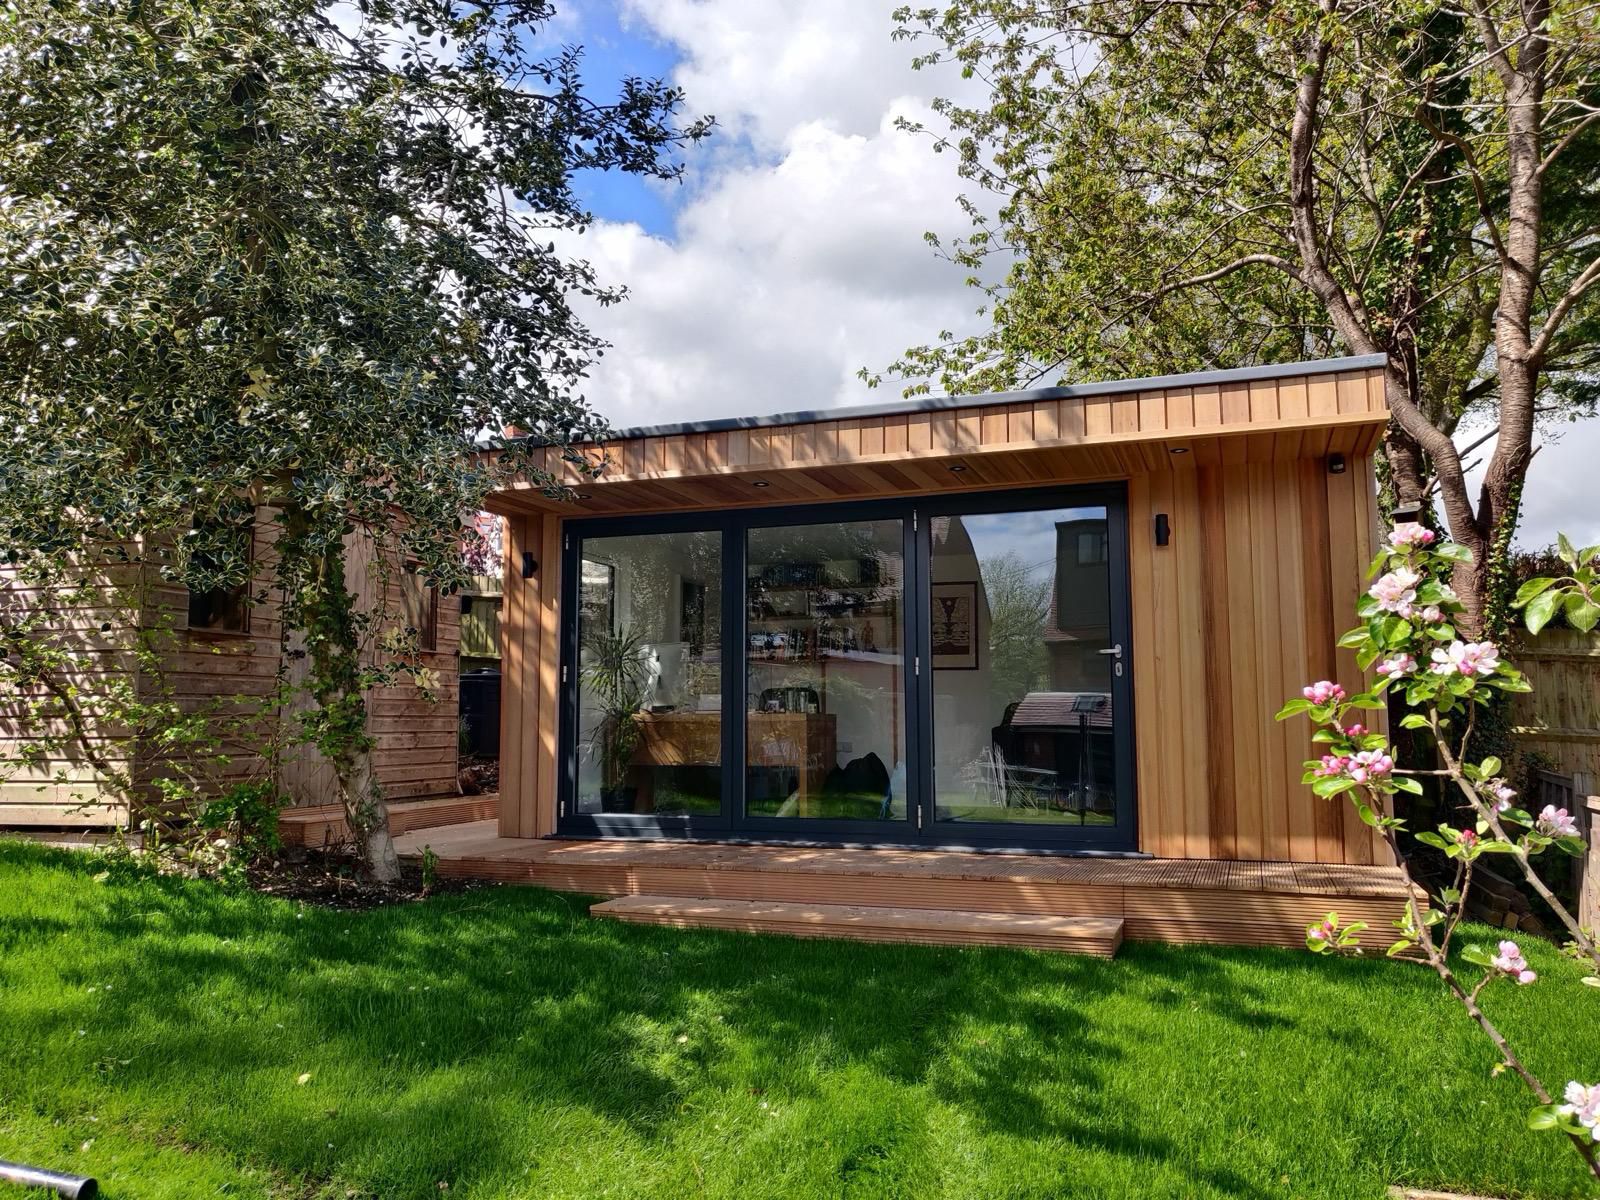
column 1502, row 792
column 1322, row 691
column 1410, row 533
column 1511, row 962
column 1356, row 730
column 1400, row 664
column 1396, row 591
column 1583, row 1106
column 1433, row 614
column 1321, row 933
column 1332, row 764
column 1555, row 822
column 1467, row 658
column 1467, row 838
column 1370, row 764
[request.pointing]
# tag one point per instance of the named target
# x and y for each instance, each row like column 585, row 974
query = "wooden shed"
column 1014, row 653
column 220, row 654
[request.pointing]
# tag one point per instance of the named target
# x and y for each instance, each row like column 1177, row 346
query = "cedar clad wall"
column 1231, row 619
column 529, row 671
column 32, row 793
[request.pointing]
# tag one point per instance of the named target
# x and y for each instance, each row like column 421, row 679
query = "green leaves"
column 1581, row 612
column 1541, row 607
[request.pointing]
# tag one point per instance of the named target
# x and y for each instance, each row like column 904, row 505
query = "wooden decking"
column 1171, row 900
column 324, row 825
column 1097, row 936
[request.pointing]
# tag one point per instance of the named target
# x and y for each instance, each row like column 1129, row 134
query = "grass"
column 153, row 1033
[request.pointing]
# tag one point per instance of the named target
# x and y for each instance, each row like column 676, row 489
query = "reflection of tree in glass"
column 1019, row 604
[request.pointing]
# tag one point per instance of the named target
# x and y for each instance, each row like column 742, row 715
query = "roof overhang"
column 1084, row 433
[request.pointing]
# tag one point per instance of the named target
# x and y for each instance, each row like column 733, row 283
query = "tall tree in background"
column 1019, row 603
column 1184, row 185
column 287, row 253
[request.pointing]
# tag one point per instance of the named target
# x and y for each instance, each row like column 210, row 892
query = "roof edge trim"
column 850, row 412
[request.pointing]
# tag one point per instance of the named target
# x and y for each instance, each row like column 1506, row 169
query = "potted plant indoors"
column 617, row 675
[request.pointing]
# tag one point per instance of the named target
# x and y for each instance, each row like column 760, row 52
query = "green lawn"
column 152, row 1032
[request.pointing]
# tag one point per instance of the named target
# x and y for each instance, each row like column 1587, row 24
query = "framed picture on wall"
column 954, row 613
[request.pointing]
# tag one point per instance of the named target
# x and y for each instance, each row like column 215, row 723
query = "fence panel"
column 1560, row 718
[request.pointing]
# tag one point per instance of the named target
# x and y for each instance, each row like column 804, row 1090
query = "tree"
column 1408, row 634
column 1183, row 185
column 1019, row 603
column 299, row 255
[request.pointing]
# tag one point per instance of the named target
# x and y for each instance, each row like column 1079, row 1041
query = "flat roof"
column 847, row 412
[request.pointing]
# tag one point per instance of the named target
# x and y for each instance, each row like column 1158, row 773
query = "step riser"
column 331, row 830
column 1075, row 934
column 858, row 934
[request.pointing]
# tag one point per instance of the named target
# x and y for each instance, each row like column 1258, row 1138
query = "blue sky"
column 614, row 49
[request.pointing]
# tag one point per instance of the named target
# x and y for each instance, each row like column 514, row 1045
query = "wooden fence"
column 1560, row 719
column 1576, row 795
column 1560, row 722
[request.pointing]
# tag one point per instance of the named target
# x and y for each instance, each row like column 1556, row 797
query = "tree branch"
column 1541, row 343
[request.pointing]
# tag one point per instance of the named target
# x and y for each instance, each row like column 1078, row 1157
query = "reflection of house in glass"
column 1023, row 730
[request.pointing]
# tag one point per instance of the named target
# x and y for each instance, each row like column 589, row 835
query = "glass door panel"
column 649, row 730
column 825, row 686
column 1023, row 660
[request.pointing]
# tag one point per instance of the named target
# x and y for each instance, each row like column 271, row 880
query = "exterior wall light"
column 530, row 565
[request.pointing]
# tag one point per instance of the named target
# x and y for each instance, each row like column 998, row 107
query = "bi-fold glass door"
column 949, row 672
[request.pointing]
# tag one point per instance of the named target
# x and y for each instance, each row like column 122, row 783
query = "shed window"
column 419, row 609
column 223, row 549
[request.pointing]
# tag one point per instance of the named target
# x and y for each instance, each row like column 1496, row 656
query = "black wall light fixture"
column 529, row 565
column 1163, row 529
column 1335, row 464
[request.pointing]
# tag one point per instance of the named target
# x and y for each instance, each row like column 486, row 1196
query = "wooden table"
column 807, row 742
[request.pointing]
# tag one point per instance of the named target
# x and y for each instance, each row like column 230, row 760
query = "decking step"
column 324, row 825
column 1099, row 936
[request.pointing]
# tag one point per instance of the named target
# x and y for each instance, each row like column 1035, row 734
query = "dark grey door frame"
column 918, row 827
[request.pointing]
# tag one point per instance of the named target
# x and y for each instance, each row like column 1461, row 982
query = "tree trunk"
column 367, row 813
column 321, row 624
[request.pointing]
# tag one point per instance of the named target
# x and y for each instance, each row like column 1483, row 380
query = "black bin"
column 480, row 711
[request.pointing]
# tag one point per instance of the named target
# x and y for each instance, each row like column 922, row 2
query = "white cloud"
column 767, row 67
column 1561, row 492
column 797, row 256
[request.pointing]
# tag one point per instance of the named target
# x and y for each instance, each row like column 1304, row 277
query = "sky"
column 792, row 254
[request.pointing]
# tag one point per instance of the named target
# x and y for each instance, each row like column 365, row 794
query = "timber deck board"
column 1175, row 900
column 324, row 825
column 480, row 840
column 1098, row 936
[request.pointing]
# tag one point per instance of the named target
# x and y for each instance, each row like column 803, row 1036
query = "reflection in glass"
column 1020, row 608
column 825, row 671
column 649, row 674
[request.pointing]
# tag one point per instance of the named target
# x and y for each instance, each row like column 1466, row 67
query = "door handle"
column 1114, row 651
